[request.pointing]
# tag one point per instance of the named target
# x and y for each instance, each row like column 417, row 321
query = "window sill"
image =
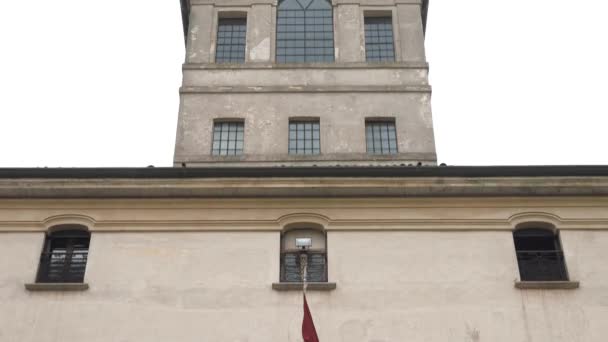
column 547, row 285
column 299, row 286
column 57, row 286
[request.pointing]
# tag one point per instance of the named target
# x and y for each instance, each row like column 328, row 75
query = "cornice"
column 298, row 187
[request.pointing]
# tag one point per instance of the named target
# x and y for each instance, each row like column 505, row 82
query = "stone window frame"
column 381, row 11
column 229, row 13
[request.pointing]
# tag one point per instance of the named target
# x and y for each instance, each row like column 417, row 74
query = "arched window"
column 64, row 257
column 539, row 255
column 303, row 246
column 305, row 31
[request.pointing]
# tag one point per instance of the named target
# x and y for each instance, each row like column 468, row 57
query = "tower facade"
column 305, row 82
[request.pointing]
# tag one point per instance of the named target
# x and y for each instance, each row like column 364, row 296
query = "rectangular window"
column 379, row 39
column 381, row 137
column 231, row 37
column 227, row 138
column 305, row 31
column 304, row 137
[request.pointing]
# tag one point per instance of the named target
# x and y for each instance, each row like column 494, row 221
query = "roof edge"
column 307, row 172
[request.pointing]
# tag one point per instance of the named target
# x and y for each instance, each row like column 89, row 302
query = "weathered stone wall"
column 341, row 94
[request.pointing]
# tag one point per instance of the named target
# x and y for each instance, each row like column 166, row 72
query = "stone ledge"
column 222, row 90
column 57, row 286
column 306, row 66
column 547, row 285
column 298, row 286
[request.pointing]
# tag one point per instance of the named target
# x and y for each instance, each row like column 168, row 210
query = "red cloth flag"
column 309, row 333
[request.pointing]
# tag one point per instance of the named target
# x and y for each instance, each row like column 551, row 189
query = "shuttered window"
column 64, row 257
column 539, row 255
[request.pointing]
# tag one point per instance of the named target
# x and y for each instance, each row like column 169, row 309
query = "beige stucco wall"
column 392, row 286
column 405, row 269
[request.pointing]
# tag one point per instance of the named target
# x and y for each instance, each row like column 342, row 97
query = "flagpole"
column 304, row 263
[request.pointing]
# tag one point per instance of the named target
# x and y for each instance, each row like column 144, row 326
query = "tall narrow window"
column 539, row 255
column 304, row 137
column 305, row 31
column 227, row 138
column 381, row 137
column 64, row 257
column 295, row 254
column 379, row 39
column 231, row 37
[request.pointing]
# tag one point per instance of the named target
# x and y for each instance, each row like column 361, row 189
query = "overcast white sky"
column 95, row 83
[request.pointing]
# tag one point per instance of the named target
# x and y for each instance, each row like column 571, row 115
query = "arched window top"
column 537, row 232
column 304, row 4
column 536, row 239
column 69, row 230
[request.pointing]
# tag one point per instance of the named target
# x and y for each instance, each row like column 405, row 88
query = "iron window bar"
column 291, row 266
column 61, row 266
column 542, row 265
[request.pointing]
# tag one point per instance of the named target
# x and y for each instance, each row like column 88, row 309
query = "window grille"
column 305, row 31
column 379, row 39
column 381, row 137
column 64, row 257
column 227, row 138
column 291, row 267
column 539, row 255
column 304, row 137
column 231, row 37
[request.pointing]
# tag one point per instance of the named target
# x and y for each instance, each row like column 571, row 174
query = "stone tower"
column 304, row 82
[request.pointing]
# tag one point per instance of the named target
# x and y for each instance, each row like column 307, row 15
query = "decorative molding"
column 65, row 219
column 524, row 220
